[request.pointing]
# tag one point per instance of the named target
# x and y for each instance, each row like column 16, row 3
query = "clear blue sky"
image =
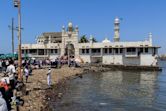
column 94, row 17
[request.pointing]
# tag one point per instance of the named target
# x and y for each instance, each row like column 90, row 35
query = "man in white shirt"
column 10, row 72
column 49, row 77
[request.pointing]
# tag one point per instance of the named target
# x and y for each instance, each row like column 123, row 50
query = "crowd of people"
column 9, row 83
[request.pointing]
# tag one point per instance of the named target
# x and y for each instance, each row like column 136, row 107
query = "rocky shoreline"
column 39, row 95
column 36, row 98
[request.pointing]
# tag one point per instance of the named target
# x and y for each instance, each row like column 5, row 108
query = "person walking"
column 49, row 77
column 26, row 73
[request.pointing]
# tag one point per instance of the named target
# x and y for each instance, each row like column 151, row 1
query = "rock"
column 60, row 95
column 26, row 104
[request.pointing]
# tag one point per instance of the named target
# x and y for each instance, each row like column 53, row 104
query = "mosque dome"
column 106, row 40
column 70, row 24
column 116, row 20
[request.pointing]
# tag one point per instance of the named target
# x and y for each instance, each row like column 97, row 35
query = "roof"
column 54, row 34
column 118, row 45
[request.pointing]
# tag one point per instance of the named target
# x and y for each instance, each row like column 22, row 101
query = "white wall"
column 131, row 60
column 107, row 59
column 113, row 59
column 118, row 59
column 85, row 58
column 144, row 60
column 147, row 60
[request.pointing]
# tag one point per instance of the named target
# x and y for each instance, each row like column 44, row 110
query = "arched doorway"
column 70, row 50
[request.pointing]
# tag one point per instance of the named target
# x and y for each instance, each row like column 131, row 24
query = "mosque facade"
column 52, row 45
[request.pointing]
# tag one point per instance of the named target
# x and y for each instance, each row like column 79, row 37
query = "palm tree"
column 83, row 39
column 94, row 40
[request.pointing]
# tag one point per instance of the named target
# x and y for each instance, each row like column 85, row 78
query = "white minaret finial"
column 91, row 39
column 116, row 30
column 63, row 28
column 150, row 38
column 76, row 28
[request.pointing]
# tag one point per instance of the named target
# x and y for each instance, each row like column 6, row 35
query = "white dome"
column 106, row 41
column 116, row 20
column 70, row 24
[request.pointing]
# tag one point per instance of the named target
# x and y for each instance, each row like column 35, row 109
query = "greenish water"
column 116, row 91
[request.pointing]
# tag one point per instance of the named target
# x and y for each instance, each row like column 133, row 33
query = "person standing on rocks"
column 49, row 77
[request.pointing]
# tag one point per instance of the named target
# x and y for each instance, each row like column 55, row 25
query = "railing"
column 96, row 54
column 39, row 55
column 131, row 54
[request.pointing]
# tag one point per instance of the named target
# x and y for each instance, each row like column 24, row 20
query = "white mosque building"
column 56, row 44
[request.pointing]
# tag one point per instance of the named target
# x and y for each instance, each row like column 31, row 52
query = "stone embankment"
column 133, row 67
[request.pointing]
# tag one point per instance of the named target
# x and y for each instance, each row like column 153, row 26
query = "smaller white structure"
column 56, row 44
column 106, row 40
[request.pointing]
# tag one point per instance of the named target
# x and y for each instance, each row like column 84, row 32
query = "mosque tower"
column 116, row 30
column 150, row 38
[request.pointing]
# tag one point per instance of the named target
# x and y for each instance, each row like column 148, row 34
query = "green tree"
column 83, row 39
column 94, row 40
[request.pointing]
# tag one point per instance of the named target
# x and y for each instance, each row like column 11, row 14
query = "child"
column 49, row 77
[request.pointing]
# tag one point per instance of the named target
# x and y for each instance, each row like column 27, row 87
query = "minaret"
column 76, row 28
column 150, row 38
column 116, row 30
column 91, row 39
column 63, row 28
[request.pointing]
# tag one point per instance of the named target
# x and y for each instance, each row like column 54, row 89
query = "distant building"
column 56, row 44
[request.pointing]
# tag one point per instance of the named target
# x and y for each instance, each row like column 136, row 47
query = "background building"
column 66, row 43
